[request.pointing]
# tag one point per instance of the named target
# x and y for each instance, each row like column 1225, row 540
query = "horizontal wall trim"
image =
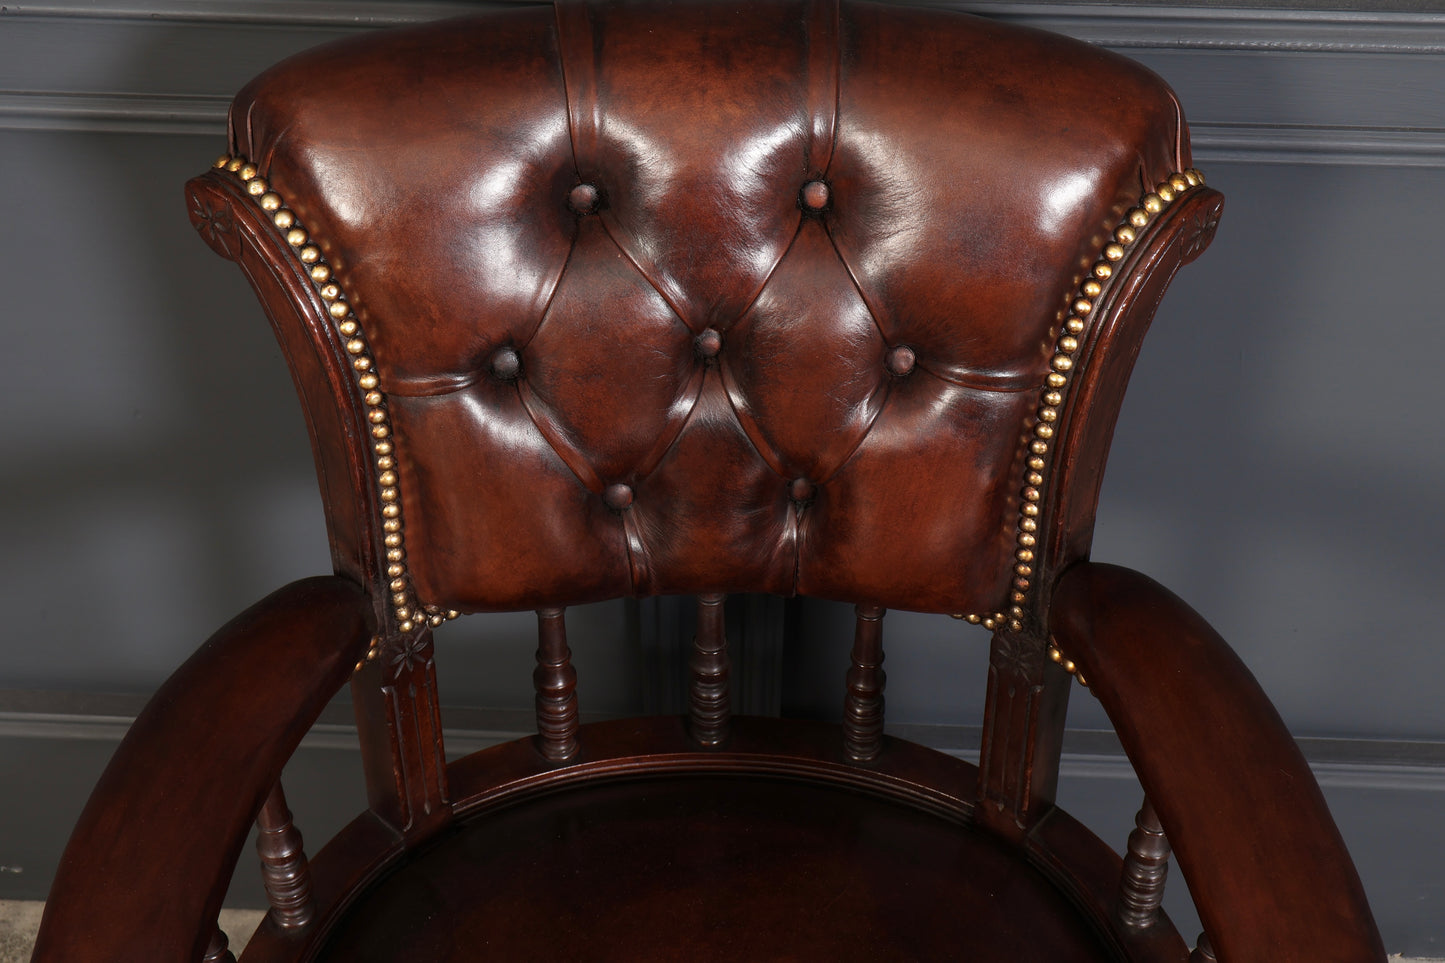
column 1396, row 765
column 1133, row 26
column 151, row 114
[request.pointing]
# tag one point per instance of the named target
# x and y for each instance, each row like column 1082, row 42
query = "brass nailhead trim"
column 409, row 614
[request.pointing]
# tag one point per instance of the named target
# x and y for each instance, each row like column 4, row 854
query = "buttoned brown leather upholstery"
column 815, row 297
column 534, row 356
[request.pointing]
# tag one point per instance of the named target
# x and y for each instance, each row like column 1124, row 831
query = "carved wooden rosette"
column 863, row 703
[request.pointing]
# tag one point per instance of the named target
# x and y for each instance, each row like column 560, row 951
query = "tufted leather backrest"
column 661, row 297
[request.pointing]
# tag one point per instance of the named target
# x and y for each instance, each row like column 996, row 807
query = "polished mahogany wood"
column 219, row 949
column 863, row 703
column 709, row 697
column 1204, row 952
column 284, row 871
column 1146, row 868
column 1265, row 863
column 153, row 852
column 556, row 684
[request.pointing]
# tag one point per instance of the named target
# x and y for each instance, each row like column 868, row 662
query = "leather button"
column 815, row 196
column 900, row 360
column 801, row 490
column 708, row 343
column 584, row 199
column 618, row 497
column 506, row 364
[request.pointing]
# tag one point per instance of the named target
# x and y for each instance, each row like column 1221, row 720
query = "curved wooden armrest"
column 146, row 869
column 1266, row 865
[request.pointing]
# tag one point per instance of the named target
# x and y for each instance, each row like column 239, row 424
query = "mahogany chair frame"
column 1227, row 789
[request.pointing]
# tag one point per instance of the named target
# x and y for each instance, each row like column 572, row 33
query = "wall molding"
column 1124, row 26
column 1369, row 764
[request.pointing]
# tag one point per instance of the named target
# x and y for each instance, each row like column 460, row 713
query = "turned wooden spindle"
column 1203, row 952
column 863, row 702
column 708, row 697
column 284, row 870
column 218, row 950
column 1146, row 865
column 556, row 684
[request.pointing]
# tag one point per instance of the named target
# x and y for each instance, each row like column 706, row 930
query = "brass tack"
column 330, row 292
column 338, row 309
column 1069, row 667
column 400, row 599
column 1017, row 612
column 221, row 161
column 393, row 540
column 955, row 615
column 1125, row 234
column 390, row 510
column 1027, row 540
column 382, row 448
column 395, row 570
column 1031, row 494
column 296, row 237
column 283, row 219
column 355, row 346
column 1030, row 509
column 1103, row 270
column 989, row 623
column 974, row 619
column 1037, row 463
column 1029, row 525
column 234, row 164
column 405, row 625
column 1055, row 655
column 271, row 202
column 387, row 478
column 1080, row 676
column 453, row 614
column 368, row 381
column 1083, row 305
column 1062, row 362
column 361, row 364
column 1022, row 584
column 1153, row 203
column 320, row 273
column 1074, row 325
column 310, row 254
column 358, row 666
column 374, row 398
column 385, row 462
column 348, row 328
column 256, row 187
column 1023, row 569
column 1057, row 380
column 1179, row 182
column 1044, row 430
column 1113, row 251
column 1092, row 288
column 1024, row 555
column 1138, row 217
column 398, row 585
column 247, row 172
column 395, row 554
column 1038, row 446
column 377, row 416
column 1192, row 176
column 1054, row 398
column 1019, row 596
column 1165, row 192
column 392, row 525
column 1034, row 478
column 1016, row 625
column 1068, row 344
column 380, row 431
column 435, row 620
column 388, row 494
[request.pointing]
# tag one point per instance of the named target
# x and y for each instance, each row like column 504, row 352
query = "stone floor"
column 19, row 919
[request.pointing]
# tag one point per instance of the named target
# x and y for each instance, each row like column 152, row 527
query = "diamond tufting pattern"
column 780, row 325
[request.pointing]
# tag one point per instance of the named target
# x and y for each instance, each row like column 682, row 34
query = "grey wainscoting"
column 1278, row 462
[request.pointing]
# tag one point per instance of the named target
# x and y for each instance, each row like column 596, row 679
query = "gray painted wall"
column 1278, row 461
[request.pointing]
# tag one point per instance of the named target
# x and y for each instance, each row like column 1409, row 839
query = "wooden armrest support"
column 145, row 871
column 1266, row 865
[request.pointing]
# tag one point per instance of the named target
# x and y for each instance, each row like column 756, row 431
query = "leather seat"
column 818, row 297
